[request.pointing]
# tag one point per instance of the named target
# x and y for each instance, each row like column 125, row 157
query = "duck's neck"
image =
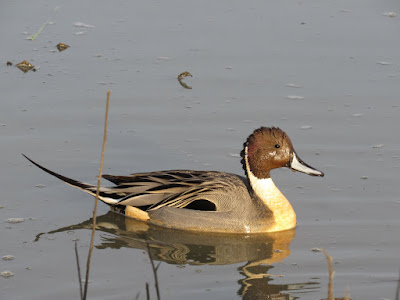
column 271, row 196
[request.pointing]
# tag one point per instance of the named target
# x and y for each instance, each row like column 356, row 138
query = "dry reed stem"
column 97, row 197
column 398, row 288
column 331, row 274
column 147, row 291
column 79, row 269
column 154, row 271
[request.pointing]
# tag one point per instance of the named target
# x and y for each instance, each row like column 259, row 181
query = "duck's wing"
column 177, row 188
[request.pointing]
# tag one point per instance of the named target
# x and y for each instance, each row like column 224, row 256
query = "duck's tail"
column 106, row 194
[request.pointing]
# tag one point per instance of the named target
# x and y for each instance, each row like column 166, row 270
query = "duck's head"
column 269, row 148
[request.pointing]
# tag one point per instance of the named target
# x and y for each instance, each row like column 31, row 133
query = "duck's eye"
column 277, row 146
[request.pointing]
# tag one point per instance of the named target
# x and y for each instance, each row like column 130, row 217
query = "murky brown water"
column 327, row 73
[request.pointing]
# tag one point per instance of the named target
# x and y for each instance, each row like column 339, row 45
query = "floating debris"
column 390, row 14
column 15, row 220
column 163, row 58
column 305, row 127
column 83, row 25
column 315, row 250
column 357, row 115
column 9, row 63
column 377, row 146
column 7, row 274
column 384, row 63
column 61, row 47
column 294, row 85
column 183, row 75
column 40, row 186
column 25, row 66
column 8, row 257
column 364, row 177
column 294, row 97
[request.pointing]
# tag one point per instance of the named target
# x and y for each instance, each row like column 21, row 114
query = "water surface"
column 326, row 73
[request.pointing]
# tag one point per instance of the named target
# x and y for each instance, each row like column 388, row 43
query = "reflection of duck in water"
column 256, row 251
column 209, row 201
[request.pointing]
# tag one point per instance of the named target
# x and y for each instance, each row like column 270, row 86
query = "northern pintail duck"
column 210, row 201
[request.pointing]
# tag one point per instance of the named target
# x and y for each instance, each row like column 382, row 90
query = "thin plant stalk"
column 147, row 291
column 398, row 288
column 97, row 198
column 79, row 270
column 331, row 274
column 154, row 271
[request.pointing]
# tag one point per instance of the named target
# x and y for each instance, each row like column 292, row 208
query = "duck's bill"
column 298, row 165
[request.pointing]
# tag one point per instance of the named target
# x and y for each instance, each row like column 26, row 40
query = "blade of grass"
column 44, row 25
column 97, row 198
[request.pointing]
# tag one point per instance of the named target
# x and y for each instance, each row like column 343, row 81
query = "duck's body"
column 210, row 201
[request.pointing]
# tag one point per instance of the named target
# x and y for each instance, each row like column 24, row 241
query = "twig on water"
column 154, row 271
column 79, row 269
column 97, row 198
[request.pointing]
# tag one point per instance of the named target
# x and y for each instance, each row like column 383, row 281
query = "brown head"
column 269, row 148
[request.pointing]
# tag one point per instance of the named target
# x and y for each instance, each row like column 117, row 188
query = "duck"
column 209, row 201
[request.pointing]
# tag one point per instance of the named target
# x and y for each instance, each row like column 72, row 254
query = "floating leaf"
column 25, row 66
column 61, row 46
column 183, row 75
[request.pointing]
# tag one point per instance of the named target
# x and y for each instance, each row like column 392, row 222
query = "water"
column 248, row 60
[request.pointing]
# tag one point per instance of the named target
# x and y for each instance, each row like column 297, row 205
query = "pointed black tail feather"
column 75, row 183
column 106, row 195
